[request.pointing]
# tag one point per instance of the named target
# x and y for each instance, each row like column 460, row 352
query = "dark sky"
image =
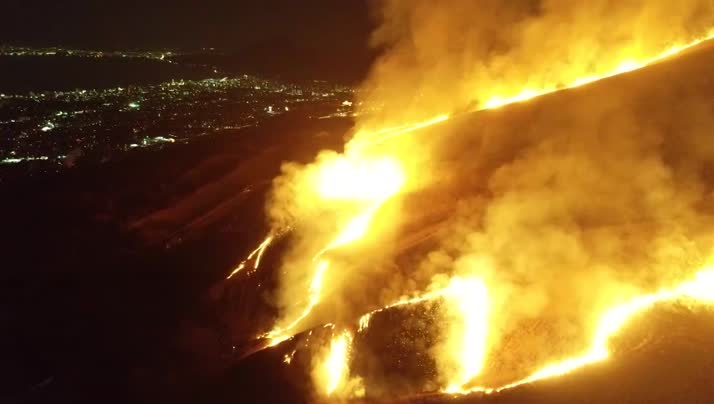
column 327, row 34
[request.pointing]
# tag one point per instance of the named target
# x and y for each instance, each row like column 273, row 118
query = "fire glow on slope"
column 332, row 372
column 257, row 253
column 463, row 352
column 367, row 182
column 467, row 345
column 700, row 289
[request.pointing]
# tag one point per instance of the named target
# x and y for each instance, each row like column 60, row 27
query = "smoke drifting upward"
column 562, row 207
column 441, row 57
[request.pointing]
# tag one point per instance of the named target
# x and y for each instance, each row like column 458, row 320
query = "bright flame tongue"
column 358, row 178
column 332, row 373
column 366, row 182
column 468, row 340
column 337, row 362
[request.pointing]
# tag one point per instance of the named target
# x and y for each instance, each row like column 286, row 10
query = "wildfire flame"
column 361, row 181
column 257, row 253
column 470, row 297
column 468, row 340
column 700, row 289
column 279, row 335
column 365, row 182
column 333, row 371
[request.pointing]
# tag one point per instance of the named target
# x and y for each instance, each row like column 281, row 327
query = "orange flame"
column 257, row 253
column 700, row 289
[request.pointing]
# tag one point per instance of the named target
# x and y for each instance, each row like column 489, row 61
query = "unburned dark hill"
column 109, row 270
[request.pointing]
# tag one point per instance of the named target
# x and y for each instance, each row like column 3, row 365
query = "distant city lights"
column 88, row 121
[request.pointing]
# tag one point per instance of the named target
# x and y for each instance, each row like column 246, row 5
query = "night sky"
column 319, row 36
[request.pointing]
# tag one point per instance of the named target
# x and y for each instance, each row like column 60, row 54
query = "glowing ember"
column 364, row 322
column 261, row 250
column 239, row 268
column 288, row 358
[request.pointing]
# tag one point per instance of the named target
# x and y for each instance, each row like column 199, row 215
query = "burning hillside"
column 525, row 236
